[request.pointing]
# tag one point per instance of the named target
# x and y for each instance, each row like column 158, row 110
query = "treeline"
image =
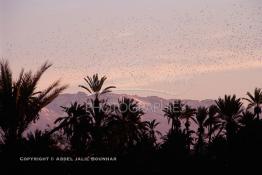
column 228, row 135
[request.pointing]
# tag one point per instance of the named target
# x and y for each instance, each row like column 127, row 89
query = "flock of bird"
column 132, row 47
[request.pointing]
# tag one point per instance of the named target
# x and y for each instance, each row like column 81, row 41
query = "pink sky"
column 194, row 49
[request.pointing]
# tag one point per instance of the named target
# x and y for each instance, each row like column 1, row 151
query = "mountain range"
column 152, row 106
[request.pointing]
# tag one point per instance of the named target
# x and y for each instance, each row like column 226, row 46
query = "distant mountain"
column 152, row 106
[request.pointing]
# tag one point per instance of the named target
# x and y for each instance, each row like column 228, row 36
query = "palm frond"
column 86, row 88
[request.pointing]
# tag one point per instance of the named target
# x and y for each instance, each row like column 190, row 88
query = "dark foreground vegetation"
column 228, row 135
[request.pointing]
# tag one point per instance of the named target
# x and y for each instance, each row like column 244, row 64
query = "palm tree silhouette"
column 81, row 129
column 125, row 127
column 130, row 115
column 188, row 114
column 38, row 142
column 95, row 87
column 213, row 122
column 77, row 126
column 229, row 109
column 201, row 119
column 255, row 101
column 247, row 118
column 21, row 102
column 173, row 112
column 174, row 146
column 151, row 125
column 98, row 109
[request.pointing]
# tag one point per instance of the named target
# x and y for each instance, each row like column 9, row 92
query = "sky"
column 190, row 49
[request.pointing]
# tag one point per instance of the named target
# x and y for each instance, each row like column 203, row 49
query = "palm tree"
column 130, row 115
column 81, row 129
column 125, row 127
column 100, row 115
column 255, row 101
column 95, row 87
column 151, row 125
column 174, row 146
column 173, row 112
column 247, row 118
column 77, row 126
column 201, row 118
column 188, row 114
column 21, row 102
column 229, row 109
column 213, row 122
column 38, row 142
